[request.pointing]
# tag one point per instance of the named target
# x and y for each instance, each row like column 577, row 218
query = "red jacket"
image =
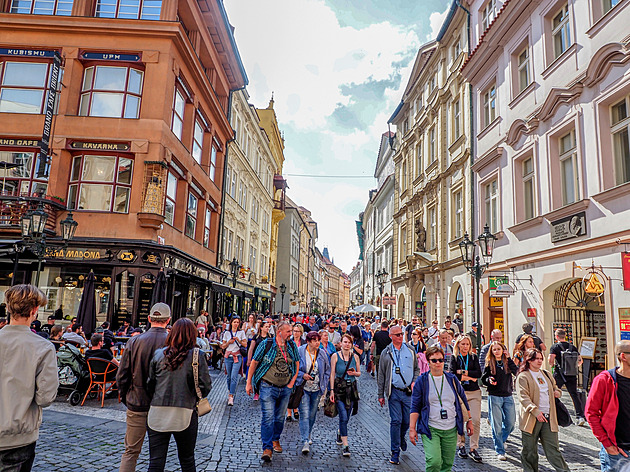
column 602, row 407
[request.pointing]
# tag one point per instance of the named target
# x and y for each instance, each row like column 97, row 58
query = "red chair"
column 102, row 378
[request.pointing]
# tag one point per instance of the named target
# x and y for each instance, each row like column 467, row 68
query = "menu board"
column 144, row 300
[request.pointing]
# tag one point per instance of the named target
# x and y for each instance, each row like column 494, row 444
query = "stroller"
column 74, row 376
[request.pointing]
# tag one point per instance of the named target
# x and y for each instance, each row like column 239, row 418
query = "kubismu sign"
column 77, row 254
column 99, row 146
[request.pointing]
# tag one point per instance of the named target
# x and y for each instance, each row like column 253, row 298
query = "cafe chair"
column 102, row 378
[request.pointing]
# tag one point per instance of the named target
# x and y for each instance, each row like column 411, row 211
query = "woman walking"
column 345, row 365
column 171, row 386
column 325, row 343
column 233, row 340
column 418, row 346
column 537, row 391
column 525, row 344
column 436, row 413
column 465, row 365
column 314, row 377
column 498, row 377
column 263, row 333
column 298, row 332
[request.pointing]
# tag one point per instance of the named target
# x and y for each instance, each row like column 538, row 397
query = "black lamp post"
column 381, row 279
column 473, row 264
column 234, row 268
column 283, row 289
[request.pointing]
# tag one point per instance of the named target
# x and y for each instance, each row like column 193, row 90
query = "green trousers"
column 549, row 441
column 439, row 451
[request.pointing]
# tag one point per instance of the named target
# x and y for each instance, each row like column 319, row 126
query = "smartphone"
column 351, row 369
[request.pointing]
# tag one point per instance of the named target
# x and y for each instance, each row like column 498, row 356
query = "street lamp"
column 68, row 227
column 381, row 279
column 473, row 264
column 234, row 268
column 283, row 289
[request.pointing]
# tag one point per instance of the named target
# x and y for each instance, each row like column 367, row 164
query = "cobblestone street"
column 90, row 439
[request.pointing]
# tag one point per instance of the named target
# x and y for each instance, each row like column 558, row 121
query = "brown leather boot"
column 277, row 447
column 266, row 455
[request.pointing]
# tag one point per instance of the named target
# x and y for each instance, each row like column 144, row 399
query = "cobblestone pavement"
column 90, row 439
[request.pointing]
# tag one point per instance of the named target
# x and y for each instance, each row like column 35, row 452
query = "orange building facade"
column 136, row 148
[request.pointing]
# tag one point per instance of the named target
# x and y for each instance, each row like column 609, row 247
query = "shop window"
column 179, row 106
column 113, row 92
column 130, row 9
column 124, row 295
column 17, row 174
column 621, row 142
column 206, row 229
column 24, row 86
column 198, row 141
column 191, row 216
column 171, row 196
column 100, row 183
column 42, row 7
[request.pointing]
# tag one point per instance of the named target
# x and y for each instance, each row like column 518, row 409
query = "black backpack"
column 569, row 360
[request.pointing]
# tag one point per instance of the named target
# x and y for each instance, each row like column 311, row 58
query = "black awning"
column 248, row 294
column 236, row 292
column 220, row 288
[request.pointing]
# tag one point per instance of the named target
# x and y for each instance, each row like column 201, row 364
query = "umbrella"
column 159, row 289
column 366, row 308
column 86, row 315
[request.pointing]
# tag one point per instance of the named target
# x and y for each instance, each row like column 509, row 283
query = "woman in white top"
column 537, row 392
column 250, row 327
column 233, row 339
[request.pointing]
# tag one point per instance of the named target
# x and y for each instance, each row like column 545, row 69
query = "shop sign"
column 496, row 301
column 27, row 52
column 494, row 282
column 151, row 258
column 531, row 318
column 127, row 256
column 498, row 323
column 77, row 254
column 594, row 282
column 567, row 228
column 108, row 56
column 504, row 291
column 51, row 100
column 99, row 146
column 172, row 262
column 388, row 301
column 263, row 293
column 20, row 142
column 624, row 323
column 625, row 268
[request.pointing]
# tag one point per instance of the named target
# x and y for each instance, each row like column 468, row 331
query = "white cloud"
column 436, row 19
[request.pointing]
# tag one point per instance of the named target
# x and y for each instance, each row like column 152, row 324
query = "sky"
column 337, row 70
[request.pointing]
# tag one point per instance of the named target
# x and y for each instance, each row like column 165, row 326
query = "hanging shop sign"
column 99, row 146
column 568, row 228
column 127, row 256
column 388, row 301
column 51, row 100
column 624, row 323
column 78, row 254
column 625, row 268
column 20, row 142
column 531, row 318
column 500, row 287
column 151, row 258
column 594, row 282
column 110, row 56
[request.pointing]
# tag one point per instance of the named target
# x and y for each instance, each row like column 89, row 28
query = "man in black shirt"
column 538, row 343
column 380, row 340
column 97, row 351
column 48, row 326
column 563, row 378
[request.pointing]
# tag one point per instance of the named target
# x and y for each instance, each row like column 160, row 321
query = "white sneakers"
column 502, row 457
column 306, row 449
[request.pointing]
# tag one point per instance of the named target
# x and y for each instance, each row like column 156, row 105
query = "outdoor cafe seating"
column 102, row 378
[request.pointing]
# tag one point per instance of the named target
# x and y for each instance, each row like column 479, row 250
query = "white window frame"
column 491, row 200
column 618, row 127
column 489, row 100
column 458, row 213
column 561, row 31
column 523, row 72
column 528, row 175
column 564, row 157
column 488, row 14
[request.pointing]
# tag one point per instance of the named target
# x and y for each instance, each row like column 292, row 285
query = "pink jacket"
column 602, row 407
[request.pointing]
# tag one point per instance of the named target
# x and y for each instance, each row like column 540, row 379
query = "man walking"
column 565, row 358
column 608, row 412
column 380, row 341
column 272, row 372
column 473, row 333
column 28, row 379
column 132, row 377
column 396, row 376
column 528, row 328
column 415, row 324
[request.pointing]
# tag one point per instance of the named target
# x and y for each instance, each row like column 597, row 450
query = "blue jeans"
column 18, row 459
column 617, row 463
column 344, row 417
column 273, row 403
column 502, row 420
column 399, row 411
column 308, row 411
column 232, row 369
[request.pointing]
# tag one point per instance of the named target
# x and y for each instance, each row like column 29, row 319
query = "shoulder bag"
column 203, row 405
column 298, row 390
column 341, row 384
column 562, row 413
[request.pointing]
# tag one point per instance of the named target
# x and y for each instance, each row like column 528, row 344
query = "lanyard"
column 283, row 354
column 397, row 363
column 439, row 394
column 466, row 362
column 313, row 359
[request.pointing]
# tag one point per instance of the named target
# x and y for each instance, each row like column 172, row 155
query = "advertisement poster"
column 624, row 323
column 625, row 268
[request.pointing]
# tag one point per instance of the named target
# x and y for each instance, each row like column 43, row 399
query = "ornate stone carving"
column 421, row 236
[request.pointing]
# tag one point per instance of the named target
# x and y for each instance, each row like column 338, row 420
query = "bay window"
column 18, row 174
column 100, row 183
column 111, row 91
column 179, row 106
column 24, row 86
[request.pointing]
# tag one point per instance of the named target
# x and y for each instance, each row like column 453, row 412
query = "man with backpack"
column 566, row 359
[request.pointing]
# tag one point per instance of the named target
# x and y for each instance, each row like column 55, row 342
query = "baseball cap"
column 475, row 324
column 353, row 317
column 160, row 312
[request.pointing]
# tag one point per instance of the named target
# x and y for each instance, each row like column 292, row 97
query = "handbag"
column 340, row 384
column 562, row 413
column 242, row 350
column 298, row 390
column 203, row 405
column 330, row 408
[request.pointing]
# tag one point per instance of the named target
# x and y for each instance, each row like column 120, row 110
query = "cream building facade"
column 432, row 205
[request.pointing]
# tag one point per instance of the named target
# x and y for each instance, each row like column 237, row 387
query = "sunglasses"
column 396, row 334
column 436, row 361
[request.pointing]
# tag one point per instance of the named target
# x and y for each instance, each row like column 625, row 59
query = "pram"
column 74, row 376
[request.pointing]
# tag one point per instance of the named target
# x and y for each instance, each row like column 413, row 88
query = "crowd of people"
column 430, row 377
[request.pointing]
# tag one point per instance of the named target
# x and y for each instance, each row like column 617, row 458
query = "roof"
column 447, row 20
column 230, row 32
column 396, row 111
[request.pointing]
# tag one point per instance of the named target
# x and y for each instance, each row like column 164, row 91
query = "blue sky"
column 337, row 69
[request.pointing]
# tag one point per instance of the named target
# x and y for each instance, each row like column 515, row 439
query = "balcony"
column 13, row 207
column 279, row 184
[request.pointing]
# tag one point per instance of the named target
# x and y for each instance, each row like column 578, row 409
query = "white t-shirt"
column 543, row 389
column 448, row 404
column 234, row 347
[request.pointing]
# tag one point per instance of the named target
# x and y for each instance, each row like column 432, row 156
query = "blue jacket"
column 420, row 402
column 323, row 366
